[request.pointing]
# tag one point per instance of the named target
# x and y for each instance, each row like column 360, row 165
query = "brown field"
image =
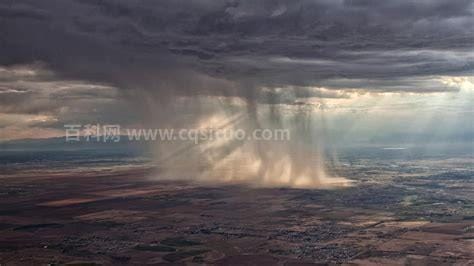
column 126, row 218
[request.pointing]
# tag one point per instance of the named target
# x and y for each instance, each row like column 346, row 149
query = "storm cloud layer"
column 335, row 44
column 80, row 60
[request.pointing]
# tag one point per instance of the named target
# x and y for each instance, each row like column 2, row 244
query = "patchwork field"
column 126, row 217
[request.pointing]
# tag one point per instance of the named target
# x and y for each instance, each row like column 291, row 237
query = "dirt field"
column 123, row 217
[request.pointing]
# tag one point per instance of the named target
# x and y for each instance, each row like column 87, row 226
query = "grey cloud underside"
column 188, row 46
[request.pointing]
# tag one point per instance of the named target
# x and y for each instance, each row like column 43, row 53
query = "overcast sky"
column 85, row 61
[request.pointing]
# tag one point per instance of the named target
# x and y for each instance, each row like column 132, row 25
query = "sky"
column 388, row 71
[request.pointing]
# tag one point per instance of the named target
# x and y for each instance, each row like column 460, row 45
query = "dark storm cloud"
column 188, row 46
column 18, row 11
